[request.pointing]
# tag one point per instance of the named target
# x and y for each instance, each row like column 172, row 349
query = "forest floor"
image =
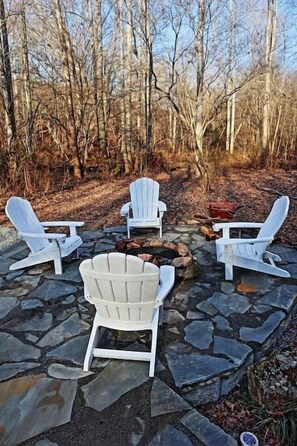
column 98, row 202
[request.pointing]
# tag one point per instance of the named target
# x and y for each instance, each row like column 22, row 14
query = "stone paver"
column 282, row 297
column 33, row 404
column 236, row 351
column 228, row 304
column 260, row 334
column 188, row 367
column 11, row 369
column 199, row 334
column 170, row 437
column 212, row 331
column 6, row 305
column 205, row 431
column 60, row 371
column 12, row 349
column 118, row 378
column 72, row 326
column 165, row 400
column 50, row 290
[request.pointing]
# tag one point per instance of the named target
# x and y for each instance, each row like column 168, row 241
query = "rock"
column 156, row 243
column 182, row 250
column 169, row 245
column 190, row 272
column 33, row 404
column 273, row 381
column 181, row 262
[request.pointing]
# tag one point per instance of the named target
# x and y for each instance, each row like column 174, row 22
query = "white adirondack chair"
column 44, row 246
column 144, row 210
column 127, row 293
column 252, row 253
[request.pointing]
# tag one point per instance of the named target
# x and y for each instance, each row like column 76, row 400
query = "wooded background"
column 111, row 87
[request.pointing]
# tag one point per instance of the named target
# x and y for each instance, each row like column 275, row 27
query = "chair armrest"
column 62, row 223
column 167, row 277
column 162, row 206
column 234, row 225
column 242, row 241
column 47, row 236
column 125, row 209
column 72, row 225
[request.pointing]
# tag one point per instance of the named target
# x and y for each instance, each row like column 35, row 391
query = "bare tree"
column 269, row 51
column 98, row 73
column 7, row 95
column 72, row 84
column 25, row 68
column 230, row 136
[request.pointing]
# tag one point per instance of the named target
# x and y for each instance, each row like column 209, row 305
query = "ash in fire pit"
column 165, row 256
column 162, row 253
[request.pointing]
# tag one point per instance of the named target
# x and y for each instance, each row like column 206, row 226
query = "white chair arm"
column 167, row 277
column 242, row 241
column 162, row 206
column 125, row 209
column 49, row 236
column 234, row 225
column 63, row 223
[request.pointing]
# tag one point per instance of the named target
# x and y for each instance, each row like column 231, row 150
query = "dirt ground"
column 98, row 202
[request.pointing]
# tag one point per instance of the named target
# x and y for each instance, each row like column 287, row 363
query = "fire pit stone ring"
column 162, row 252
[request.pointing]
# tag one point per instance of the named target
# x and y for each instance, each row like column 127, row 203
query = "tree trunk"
column 269, row 48
column 148, row 81
column 230, row 132
column 7, row 95
column 123, row 99
column 199, row 112
column 28, row 110
column 71, row 82
column 98, row 74
column 129, row 82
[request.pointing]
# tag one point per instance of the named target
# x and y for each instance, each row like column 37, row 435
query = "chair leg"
column 154, row 345
column 128, row 231
column 57, row 264
column 161, row 315
column 228, row 257
column 161, row 231
column 228, row 271
column 57, row 257
column 93, row 341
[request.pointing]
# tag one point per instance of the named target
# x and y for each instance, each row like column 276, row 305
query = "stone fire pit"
column 162, row 253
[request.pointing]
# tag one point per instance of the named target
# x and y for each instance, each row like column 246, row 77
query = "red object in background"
column 222, row 209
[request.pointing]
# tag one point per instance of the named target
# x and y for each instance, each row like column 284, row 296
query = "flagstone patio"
column 212, row 331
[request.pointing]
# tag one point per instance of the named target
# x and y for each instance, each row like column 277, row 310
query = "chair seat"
column 247, row 251
column 70, row 244
column 144, row 222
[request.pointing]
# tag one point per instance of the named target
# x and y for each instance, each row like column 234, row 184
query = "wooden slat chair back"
column 124, row 290
column 44, row 246
column 22, row 216
column 273, row 222
column 145, row 210
column 144, row 194
column 252, row 253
